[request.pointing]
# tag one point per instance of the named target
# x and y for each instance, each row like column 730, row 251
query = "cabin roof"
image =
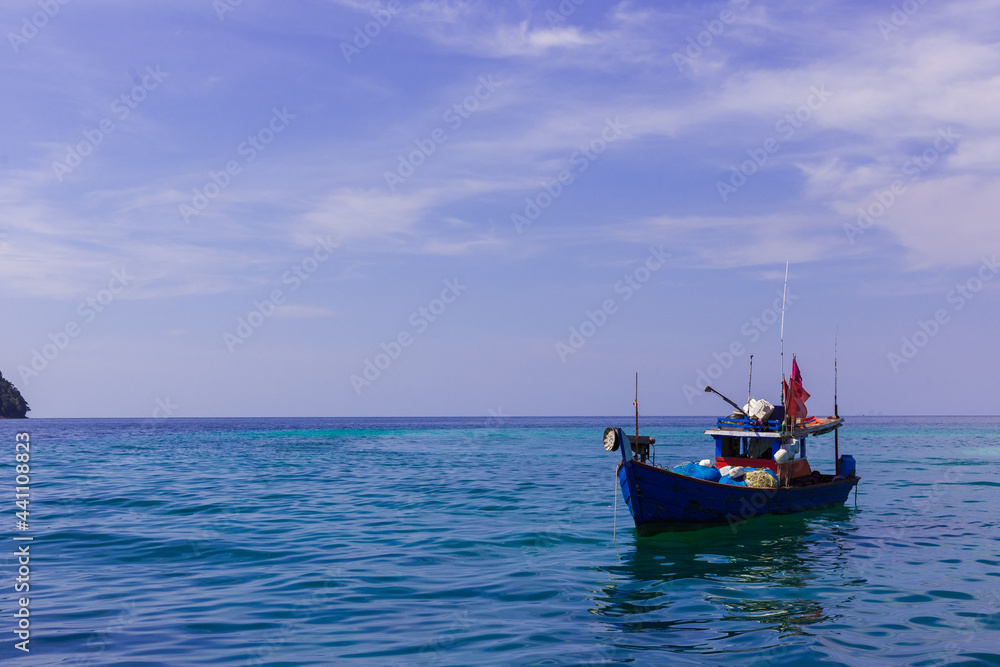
column 740, row 433
column 814, row 426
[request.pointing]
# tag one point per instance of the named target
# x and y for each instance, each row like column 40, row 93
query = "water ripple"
column 443, row 542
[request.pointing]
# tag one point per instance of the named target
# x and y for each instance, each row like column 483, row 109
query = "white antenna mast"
column 783, row 323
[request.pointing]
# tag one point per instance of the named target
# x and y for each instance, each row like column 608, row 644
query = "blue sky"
column 496, row 208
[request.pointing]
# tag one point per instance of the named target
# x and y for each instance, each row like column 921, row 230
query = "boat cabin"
column 739, row 436
column 742, row 441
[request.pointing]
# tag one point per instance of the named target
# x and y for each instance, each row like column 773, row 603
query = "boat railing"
column 746, row 424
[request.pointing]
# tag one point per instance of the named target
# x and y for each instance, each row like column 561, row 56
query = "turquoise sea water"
column 474, row 542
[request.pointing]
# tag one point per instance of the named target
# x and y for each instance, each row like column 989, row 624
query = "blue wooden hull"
column 661, row 499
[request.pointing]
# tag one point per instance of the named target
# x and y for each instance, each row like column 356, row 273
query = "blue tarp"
column 697, row 471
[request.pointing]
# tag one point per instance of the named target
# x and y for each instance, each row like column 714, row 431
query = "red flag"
column 796, row 374
column 786, row 397
column 795, row 394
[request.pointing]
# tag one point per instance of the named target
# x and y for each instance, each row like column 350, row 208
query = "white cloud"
column 725, row 242
column 561, row 81
column 946, row 222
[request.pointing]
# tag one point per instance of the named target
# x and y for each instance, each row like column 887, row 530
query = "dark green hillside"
column 12, row 404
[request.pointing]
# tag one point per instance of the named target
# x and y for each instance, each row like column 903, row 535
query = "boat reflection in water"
column 745, row 596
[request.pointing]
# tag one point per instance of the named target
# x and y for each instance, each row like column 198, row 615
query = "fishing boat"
column 760, row 467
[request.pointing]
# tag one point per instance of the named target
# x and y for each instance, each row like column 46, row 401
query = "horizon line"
column 477, row 416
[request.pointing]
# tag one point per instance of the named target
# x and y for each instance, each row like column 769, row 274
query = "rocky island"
column 12, row 404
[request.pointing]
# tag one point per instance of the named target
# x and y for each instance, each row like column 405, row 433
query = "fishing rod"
column 738, row 408
column 836, row 409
